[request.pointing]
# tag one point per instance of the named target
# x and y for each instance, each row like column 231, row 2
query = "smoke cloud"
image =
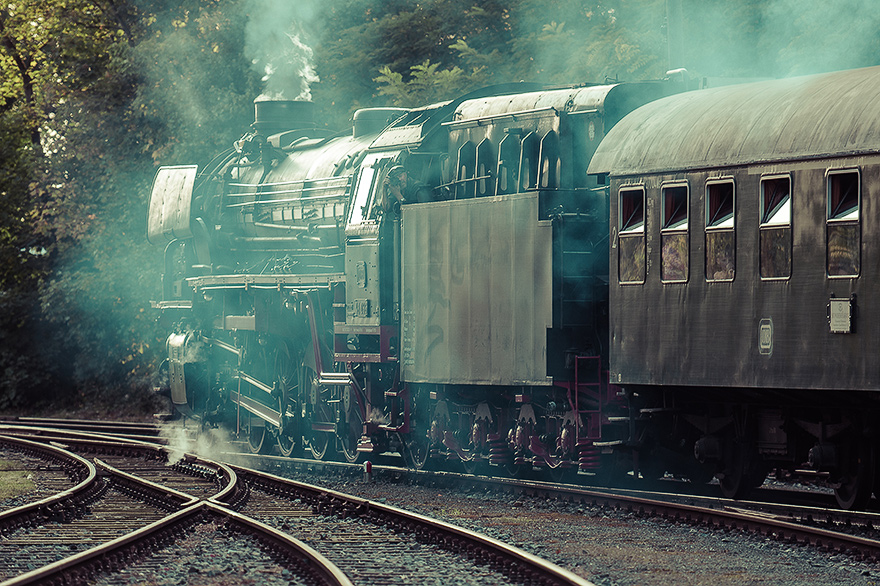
column 824, row 36
column 211, row 443
column 276, row 44
column 779, row 38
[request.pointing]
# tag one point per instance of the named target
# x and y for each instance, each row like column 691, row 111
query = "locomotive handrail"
column 492, row 118
column 284, row 191
column 290, row 227
column 294, row 182
column 294, row 186
column 309, row 198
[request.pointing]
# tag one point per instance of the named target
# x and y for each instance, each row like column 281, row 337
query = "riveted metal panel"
column 477, row 291
column 170, row 202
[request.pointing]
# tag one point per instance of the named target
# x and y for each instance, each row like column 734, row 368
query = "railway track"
column 119, row 429
column 198, row 505
column 829, row 529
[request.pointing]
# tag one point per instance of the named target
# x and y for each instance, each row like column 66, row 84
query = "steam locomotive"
column 440, row 283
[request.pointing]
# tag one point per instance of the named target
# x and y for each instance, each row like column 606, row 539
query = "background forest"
column 96, row 94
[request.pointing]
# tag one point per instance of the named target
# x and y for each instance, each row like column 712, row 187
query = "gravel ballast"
column 616, row 548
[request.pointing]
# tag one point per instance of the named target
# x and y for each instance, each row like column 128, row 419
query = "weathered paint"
column 477, row 291
column 750, row 332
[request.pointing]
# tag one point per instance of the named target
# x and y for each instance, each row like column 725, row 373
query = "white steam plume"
column 210, row 443
column 274, row 42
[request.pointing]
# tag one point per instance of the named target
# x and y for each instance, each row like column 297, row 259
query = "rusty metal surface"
column 813, row 116
column 477, row 291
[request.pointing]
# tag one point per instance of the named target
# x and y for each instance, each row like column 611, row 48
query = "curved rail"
column 65, row 502
column 141, row 542
column 735, row 517
column 508, row 558
column 772, row 520
column 230, row 495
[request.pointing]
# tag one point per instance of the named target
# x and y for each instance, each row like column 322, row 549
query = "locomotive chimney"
column 274, row 116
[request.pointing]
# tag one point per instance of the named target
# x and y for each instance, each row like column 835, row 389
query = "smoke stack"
column 274, row 116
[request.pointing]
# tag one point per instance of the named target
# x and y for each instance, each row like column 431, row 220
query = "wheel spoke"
column 287, row 436
column 256, row 435
column 857, row 481
column 417, row 450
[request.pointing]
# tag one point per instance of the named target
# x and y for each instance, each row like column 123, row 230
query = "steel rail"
column 141, row 542
column 82, row 424
column 330, row 573
column 70, row 435
column 143, row 432
column 230, row 495
column 64, row 503
column 146, row 490
column 508, row 558
column 729, row 515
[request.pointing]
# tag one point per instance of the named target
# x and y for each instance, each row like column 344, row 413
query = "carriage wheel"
column 417, row 451
column 857, row 481
column 286, row 444
column 288, row 437
column 256, row 435
column 316, row 396
column 479, row 466
column 416, row 445
column 742, row 472
column 350, row 426
column 318, row 444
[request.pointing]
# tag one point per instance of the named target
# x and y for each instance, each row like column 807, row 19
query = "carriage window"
column 550, row 160
column 485, row 168
column 720, row 231
column 467, row 164
column 528, row 165
column 631, row 238
column 843, row 231
column 674, row 233
column 775, row 228
column 508, row 162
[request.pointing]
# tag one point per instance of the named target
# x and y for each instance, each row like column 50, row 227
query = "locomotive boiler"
column 431, row 283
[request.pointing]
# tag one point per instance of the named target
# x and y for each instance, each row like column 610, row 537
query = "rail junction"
column 126, row 505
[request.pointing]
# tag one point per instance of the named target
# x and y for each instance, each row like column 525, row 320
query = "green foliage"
column 427, row 84
column 463, row 47
column 94, row 98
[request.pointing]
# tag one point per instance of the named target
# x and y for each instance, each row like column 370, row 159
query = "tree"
column 104, row 90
